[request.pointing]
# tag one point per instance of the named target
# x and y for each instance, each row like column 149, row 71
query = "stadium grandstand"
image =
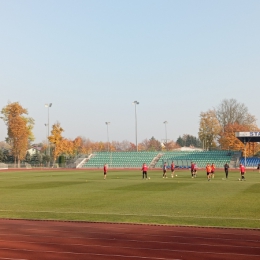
column 246, row 137
column 250, row 162
column 155, row 159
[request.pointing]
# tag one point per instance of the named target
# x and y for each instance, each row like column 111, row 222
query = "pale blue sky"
column 92, row 59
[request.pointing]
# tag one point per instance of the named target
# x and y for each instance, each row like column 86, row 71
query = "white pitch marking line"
column 135, row 215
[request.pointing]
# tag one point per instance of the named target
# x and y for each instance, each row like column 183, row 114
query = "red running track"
column 25, row 239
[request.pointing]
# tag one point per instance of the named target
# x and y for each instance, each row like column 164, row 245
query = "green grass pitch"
column 125, row 197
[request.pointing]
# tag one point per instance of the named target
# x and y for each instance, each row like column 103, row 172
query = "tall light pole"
column 165, row 123
column 107, row 123
column 46, row 133
column 136, row 103
column 48, row 106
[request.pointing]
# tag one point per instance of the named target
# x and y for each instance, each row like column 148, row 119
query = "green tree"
column 180, row 141
column 188, row 140
column 1, row 156
column 28, row 157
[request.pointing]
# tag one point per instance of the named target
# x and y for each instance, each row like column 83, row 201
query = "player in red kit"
column 105, row 171
column 242, row 171
column 144, row 169
column 213, row 168
column 192, row 169
column 172, row 169
column 208, row 170
column 195, row 170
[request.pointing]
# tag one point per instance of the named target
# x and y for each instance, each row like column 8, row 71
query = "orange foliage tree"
column 19, row 129
column 57, row 140
column 171, row 145
column 78, row 147
column 209, row 128
column 228, row 140
column 63, row 145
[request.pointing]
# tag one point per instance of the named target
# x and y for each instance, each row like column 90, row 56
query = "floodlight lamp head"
column 165, row 122
column 136, row 102
column 107, row 123
column 50, row 104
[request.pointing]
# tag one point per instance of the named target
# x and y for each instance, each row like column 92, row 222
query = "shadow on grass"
column 151, row 186
column 43, row 185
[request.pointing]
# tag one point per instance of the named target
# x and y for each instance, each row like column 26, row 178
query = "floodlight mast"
column 107, row 123
column 48, row 106
column 46, row 126
column 136, row 103
column 165, row 123
column 245, row 151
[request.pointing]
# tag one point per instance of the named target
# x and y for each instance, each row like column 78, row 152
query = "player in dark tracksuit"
column 164, row 170
column 226, row 167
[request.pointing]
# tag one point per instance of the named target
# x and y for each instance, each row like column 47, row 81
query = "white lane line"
column 94, row 254
column 134, row 215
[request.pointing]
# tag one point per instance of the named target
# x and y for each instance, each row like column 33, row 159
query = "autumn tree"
column 64, row 146
column 228, row 141
column 150, row 145
column 230, row 111
column 57, row 140
column 19, row 129
column 209, row 128
column 78, row 146
column 122, row 146
column 171, row 145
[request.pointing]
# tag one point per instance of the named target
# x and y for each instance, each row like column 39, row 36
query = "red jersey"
column 192, row 166
column 213, row 168
column 105, row 169
column 144, row 168
column 172, row 166
column 208, row 168
column 242, row 168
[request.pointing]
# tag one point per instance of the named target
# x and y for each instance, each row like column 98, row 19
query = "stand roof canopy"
column 246, row 137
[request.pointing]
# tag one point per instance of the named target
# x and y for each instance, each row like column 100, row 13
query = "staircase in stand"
column 234, row 161
column 155, row 160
